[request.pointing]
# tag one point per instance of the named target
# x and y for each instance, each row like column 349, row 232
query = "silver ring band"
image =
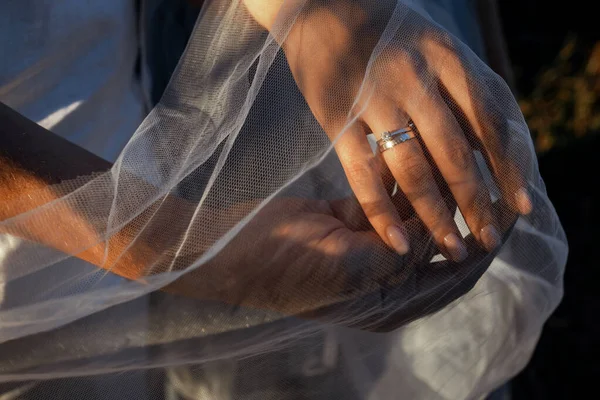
column 391, row 139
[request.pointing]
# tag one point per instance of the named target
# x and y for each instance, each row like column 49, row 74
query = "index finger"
column 363, row 170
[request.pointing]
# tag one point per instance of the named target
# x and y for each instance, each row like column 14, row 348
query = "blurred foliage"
column 565, row 101
column 556, row 59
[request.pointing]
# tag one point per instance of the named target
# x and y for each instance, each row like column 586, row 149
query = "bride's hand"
column 357, row 77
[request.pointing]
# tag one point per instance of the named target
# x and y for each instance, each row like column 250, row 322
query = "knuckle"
column 459, row 154
column 439, row 42
column 479, row 208
column 374, row 208
column 418, row 192
column 415, row 167
column 438, row 215
column 360, row 172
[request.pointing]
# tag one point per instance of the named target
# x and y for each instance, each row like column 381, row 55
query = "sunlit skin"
column 329, row 53
column 293, row 256
column 328, row 50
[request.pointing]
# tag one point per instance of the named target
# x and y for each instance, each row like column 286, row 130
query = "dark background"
column 555, row 54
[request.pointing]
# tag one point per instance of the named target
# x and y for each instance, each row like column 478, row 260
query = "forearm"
column 32, row 161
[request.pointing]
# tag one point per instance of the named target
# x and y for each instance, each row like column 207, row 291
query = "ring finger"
column 412, row 171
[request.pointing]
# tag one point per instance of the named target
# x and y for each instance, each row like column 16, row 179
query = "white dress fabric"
column 70, row 67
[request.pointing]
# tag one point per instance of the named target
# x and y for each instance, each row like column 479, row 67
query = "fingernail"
column 523, row 201
column 490, row 238
column 455, row 247
column 397, row 239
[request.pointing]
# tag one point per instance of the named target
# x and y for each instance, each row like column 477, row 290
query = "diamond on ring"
column 393, row 138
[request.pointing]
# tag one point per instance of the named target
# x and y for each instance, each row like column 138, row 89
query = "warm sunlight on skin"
column 331, row 53
column 297, row 243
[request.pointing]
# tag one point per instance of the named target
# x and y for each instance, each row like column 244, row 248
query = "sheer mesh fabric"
column 223, row 184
